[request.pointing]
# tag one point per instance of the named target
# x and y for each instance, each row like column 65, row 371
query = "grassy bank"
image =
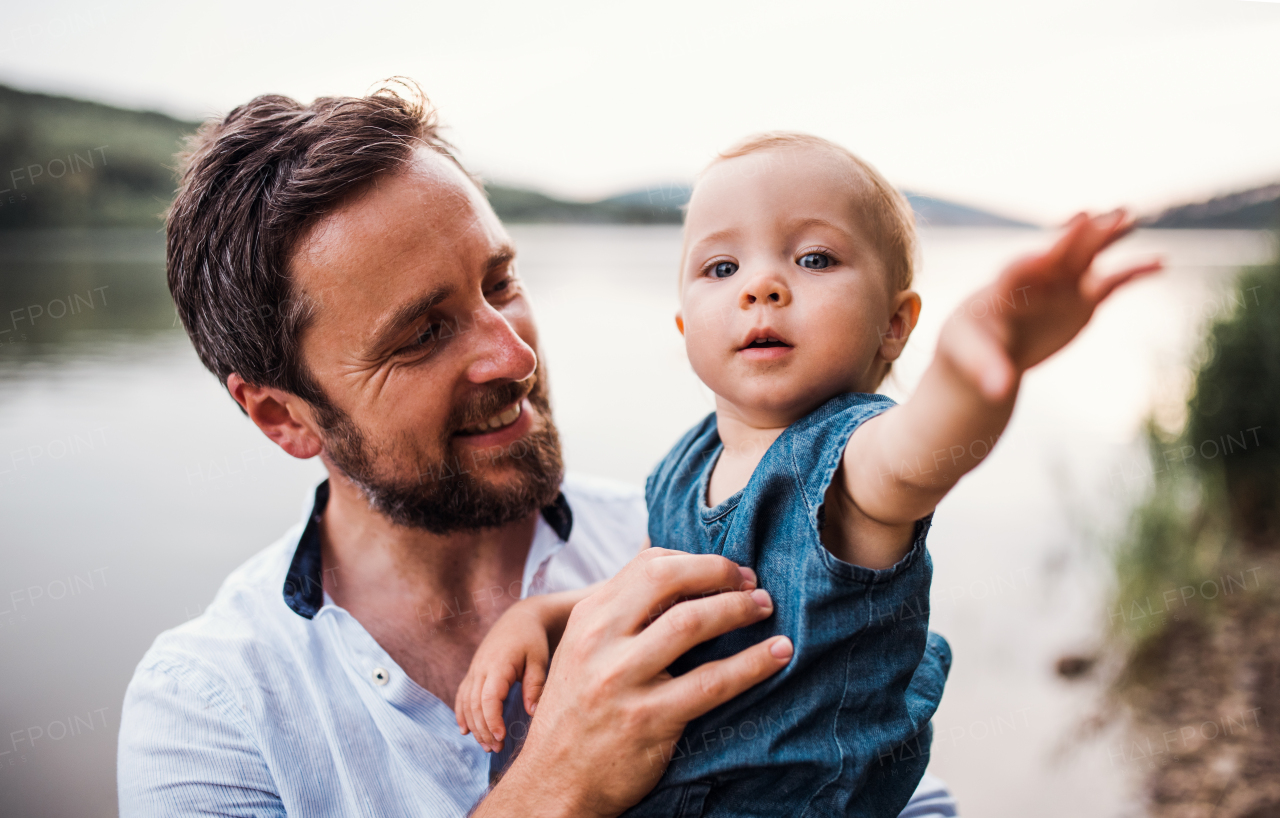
column 1195, row 614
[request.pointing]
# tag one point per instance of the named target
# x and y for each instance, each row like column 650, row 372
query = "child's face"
column 784, row 302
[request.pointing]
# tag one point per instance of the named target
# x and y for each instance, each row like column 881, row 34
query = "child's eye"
column 815, row 261
column 724, row 269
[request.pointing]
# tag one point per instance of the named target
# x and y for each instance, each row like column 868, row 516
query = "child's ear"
column 679, row 322
column 906, row 312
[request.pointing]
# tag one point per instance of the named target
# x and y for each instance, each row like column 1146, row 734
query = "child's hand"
column 1036, row 306
column 515, row 649
column 966, row 396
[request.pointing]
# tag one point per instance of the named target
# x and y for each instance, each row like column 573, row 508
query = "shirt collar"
column 303, row 585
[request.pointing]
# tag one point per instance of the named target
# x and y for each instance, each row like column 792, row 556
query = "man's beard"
column 444, row 495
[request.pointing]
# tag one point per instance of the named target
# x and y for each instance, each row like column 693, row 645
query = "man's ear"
column 282, row 416
column 680, row 322
column 906, row 312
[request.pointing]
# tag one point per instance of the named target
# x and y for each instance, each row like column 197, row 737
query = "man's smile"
column 500, row 420
column 501, row 429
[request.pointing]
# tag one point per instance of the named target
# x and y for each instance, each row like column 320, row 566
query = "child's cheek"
column 706, row 327
column 701, row 342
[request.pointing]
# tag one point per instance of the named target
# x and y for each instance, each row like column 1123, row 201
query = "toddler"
column 795, row 300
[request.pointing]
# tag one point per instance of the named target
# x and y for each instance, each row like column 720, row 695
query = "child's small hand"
column 1036, row 306
column 516, row 649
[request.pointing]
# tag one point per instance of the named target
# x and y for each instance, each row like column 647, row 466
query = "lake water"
column 130, row 486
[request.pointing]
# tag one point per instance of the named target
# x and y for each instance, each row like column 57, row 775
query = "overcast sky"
column 1031, row 108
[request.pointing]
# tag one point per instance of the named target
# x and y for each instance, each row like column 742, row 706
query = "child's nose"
column 765, row 288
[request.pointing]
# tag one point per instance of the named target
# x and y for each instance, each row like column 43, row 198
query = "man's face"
column 423, row 341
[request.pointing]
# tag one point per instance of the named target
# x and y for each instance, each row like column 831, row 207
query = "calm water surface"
column 130, row 486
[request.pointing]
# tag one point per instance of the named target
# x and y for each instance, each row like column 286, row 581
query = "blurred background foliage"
column 1195, row 620
column 1215, row 493
column 74, row 163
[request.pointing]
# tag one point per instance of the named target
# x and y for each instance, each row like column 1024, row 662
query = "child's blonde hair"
column 890, row 221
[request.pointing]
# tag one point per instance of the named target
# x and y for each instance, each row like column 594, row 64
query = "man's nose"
column 765, row 287
column 499, row 353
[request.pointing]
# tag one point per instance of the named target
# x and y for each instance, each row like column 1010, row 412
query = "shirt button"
column 380, row 676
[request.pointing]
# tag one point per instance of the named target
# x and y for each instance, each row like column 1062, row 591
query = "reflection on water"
column 130, row 485
column 72, row 294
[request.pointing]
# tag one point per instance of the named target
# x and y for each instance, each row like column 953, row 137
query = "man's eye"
column 424, row 337
column 815, row 261
column 724, row 269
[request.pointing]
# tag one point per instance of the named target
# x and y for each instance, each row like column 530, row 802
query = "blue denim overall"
column 844, row 728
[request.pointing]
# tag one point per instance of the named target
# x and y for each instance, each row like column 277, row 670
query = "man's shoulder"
column 592, row 490
column 605, row 510
column 239, row 626
column 609, row 527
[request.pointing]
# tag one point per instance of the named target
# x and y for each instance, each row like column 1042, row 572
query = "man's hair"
column 890, row 221
column 250, row 186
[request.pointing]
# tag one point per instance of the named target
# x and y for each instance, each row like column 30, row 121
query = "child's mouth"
column 766, row 343
column 764, row 338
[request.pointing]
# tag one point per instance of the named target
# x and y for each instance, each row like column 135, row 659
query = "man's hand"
column 610, row 714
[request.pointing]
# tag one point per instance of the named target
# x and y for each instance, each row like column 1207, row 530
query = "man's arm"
column 900, row 464
column 184, row 749
column 610, row 714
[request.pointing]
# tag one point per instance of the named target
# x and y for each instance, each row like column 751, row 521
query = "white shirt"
column 276, row 701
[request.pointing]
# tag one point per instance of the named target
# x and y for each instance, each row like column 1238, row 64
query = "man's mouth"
column 502, row 419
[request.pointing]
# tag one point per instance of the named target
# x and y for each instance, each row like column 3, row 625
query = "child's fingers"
column 492, row 698
column 459, row 704
column 1123, row 225
column 1092, row 238
column 478, row 724
column 1096, row 289
column 1045, row 266
column 1059, row 253
column 535, row 678
column 465, row 706
column 981, row 360
column 466, row 699
column 1076, row 219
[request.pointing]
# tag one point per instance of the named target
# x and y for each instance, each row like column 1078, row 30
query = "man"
column 347, row 281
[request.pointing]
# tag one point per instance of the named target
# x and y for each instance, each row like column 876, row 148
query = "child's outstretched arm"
column 910, row 456
column 517, row 648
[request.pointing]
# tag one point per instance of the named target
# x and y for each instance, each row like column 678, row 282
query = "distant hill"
column 931, row 212
column 1256, row 209
column 69, row 162
column 66, row 162
column 515, row 205
column 663, row 204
